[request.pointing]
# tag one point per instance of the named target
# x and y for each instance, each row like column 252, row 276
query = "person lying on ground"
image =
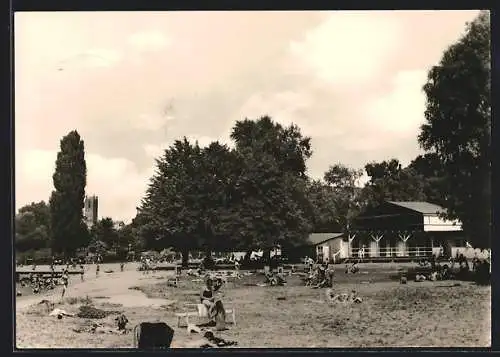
column 215, row 309
column 419, row 278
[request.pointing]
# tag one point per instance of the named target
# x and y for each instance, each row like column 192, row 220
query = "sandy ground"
column 429, row 314
column 113, row 285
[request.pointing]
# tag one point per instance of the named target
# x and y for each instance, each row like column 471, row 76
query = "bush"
column 208, row 263
column 482, row 274
column 91, row 312
column 41, row 256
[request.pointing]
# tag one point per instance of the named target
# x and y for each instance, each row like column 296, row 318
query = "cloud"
column 155, row 151
column 152, row 121
column 203, row 140
column 99, row 57
column 286, row 108
column 117, row 182
column 401, row 111
column 149, row 40
column 350, row 80
column 349, row 47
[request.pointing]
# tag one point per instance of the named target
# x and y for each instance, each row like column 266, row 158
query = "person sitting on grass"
column 312, row 278
column 353, row 269
column 275, row 279
column 433, row 260
column 321, row 279
column 215, row 308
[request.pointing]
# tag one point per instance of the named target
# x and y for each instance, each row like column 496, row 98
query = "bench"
column 202, row 313
column 174, row 282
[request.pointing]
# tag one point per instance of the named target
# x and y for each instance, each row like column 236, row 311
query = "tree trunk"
column 208, row 252
column 185, row 257
column 267, row 257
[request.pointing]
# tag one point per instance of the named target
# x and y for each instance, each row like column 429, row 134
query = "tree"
column 271, row 191
column 430, row 169
column 104, row 231
column 69, row 231
column 286, row 145
column 390, row 181
column 216, row 207
column 347, row 199
column 323, row 210
column 127, row 237
column 170, row 210
column 32, row 229
column 216, row 198
column 458, row 128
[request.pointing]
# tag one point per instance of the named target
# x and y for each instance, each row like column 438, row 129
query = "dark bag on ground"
column 220, row 316
column 153, row 335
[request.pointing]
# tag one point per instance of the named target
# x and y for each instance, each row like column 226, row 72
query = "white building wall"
column 434, row 223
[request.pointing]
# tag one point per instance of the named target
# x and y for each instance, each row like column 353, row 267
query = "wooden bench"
column 174, row 282
column 202, row 313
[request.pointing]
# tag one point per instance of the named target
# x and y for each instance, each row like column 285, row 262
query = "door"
column 344, row 250
column 326, row 252
column 319, row 253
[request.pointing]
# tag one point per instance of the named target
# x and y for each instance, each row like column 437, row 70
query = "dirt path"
column 114, row 286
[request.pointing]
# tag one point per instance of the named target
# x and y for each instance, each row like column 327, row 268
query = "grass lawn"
column 428, row 314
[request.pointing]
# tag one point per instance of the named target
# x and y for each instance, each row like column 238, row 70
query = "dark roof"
column 420, row 206
column 317, row 238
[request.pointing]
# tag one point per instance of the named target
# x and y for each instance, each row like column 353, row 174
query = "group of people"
column 39, row 283
column 321, row 276
column 212, row 301
column 147, row 264
column 47, row 281
column 275, row 279
column 450, row 271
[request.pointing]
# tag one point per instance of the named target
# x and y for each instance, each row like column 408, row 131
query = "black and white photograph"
column 252, row 179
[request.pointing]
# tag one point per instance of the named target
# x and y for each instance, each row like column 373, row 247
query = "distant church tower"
column 90, row 210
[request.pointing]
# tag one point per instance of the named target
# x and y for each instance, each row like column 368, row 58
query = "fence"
column 390, row 252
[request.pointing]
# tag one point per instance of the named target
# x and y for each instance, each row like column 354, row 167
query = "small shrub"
column 91, row 312
column 78, row 300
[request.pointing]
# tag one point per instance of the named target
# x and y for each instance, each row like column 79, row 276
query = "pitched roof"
column 420, row 206
column 317, row 238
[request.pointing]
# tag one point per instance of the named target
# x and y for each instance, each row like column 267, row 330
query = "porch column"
column 350, row 238
column 374, row 246
column 403, row 246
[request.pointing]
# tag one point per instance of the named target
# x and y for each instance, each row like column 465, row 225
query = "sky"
column 133, row 82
